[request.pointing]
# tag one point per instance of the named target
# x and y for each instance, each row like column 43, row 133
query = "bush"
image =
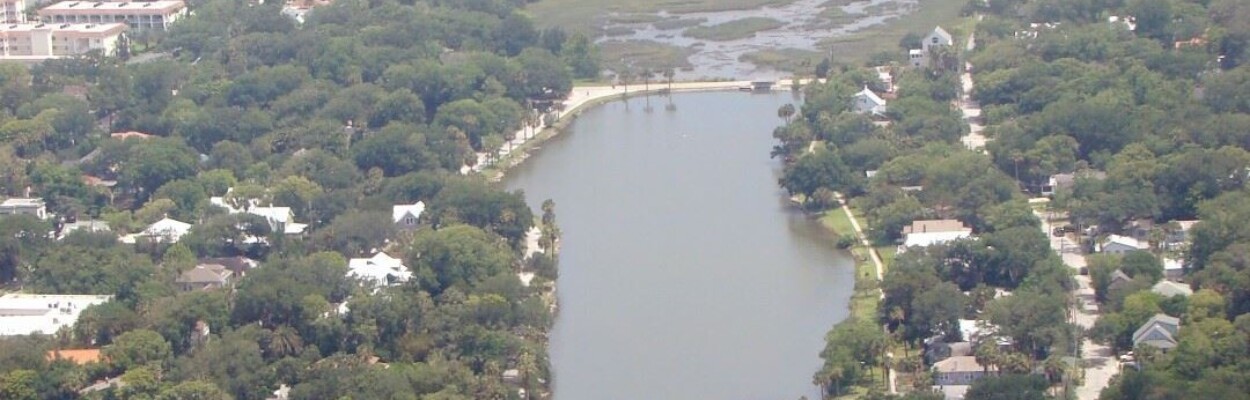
column 845, row 242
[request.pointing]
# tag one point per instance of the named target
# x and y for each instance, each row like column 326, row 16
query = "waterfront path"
column 876, row 261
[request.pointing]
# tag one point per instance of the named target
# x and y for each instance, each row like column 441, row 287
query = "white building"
column 281, row 219
column 13, row 11
column 166, row 230
column 931, row 232
column 937, row 38
column 138, row 15
column 39, row 42
column 406, row 216
column 25, row 314
column 867, row 102
column 14, row 206
column 379, row 270
column 1116, row 244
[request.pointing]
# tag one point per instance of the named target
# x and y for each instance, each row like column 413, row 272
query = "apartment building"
column 12, row 11
column 37, row 42
column 140, row 16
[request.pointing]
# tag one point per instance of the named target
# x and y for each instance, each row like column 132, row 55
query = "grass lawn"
column 734, row 30
column 585, row 15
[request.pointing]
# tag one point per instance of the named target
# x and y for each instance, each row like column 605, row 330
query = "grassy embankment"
column 734, row 30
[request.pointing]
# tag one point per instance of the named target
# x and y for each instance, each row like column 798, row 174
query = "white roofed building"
column 25, row 314
column 1116, row 244
column 931, row 232
column 868, row 102
column 380, row 270
column 28, row 206
column 167, row 230
column 406, row 216
column 281, row 219
column 138, row 15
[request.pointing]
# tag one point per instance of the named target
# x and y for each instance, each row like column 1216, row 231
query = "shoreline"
column 598, row 95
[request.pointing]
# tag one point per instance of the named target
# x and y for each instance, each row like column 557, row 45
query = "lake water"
column 683, row 272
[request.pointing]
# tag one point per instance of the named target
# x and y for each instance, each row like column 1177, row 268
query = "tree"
column 456, row 256
column 194, row 390
column 821, row 168
column 154, row 162
column 138, row 348
column 785, row 112
column 1009, row 387
column 357, row 233
column 22, row 237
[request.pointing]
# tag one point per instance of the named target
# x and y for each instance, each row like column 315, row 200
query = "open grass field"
column 734, row 30
column 784, row 59
column 585, row 15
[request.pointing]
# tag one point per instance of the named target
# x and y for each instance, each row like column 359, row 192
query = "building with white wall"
column 12, row 11
column 26, row 314
column 140, row 16
column 37, row 42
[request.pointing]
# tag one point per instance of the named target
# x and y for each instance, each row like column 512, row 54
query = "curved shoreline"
column 583, row 98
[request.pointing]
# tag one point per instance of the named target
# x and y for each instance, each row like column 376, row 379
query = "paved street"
column 1100, row 364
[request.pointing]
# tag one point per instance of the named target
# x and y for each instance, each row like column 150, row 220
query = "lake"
column 684, row 273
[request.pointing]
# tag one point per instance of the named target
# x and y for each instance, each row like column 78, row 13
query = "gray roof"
column 1165, row 324
column 943, row 34
column 205, row 273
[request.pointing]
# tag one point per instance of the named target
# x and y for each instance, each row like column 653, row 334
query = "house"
column 406, row 216
column 867, row 102
column 937, row 38
column 238, row 265
column 1116, row 244
column 166, row 230
column 13, row 11
column 78, row 357
column 1159, row 332
column 1175, row 239
column 28, row 314
column 281, row 219
column 962, row 370
column 1119, row 279
column 379, row 270
column 1171, row 289
column 930, row 232
column 204, row 277
column 90, row 225
column 1173, row 269
column 1065, row 182
column 129, row 135
column 939, row 350
column 28, row 206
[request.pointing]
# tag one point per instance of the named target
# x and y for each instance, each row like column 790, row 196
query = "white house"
column 281, row 219
column 1173, row 269
column 381, row 270
column 937, row 38
column 32, row 206
column 868, row 102
column 931, row 232
column 25, row 314
column 1159, row 332
column 405, row 216
column 166, row 230
column 1116, row 244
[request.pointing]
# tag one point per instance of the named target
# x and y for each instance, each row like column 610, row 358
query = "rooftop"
column 936, row 225
column 379, row 269
column 24, row 314
column 400, row 210
column 959, row 364
column 22, row 202
column 1126, row 241
column 79, row 356
column 67, row 28
column 205, row 273
column 1171, row 289
column 123, row 6
column 129, row 135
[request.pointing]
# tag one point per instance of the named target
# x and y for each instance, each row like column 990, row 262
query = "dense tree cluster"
column 363, row 106
column 1144, row 99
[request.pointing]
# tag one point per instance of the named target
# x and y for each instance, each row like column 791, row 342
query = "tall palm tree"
column 785, row 112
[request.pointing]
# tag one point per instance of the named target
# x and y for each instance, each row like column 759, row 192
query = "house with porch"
column 931, row 232
column 1159, row 332
column 205, row 277
column 868, row 102
column 1116, row 244
column 407, row 216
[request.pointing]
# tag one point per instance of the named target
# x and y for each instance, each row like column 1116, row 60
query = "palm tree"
column 668, row 76
column 785, row 112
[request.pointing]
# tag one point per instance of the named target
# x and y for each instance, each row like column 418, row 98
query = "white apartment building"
column 37, row 42
column 12, row 11
column 140, row 16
